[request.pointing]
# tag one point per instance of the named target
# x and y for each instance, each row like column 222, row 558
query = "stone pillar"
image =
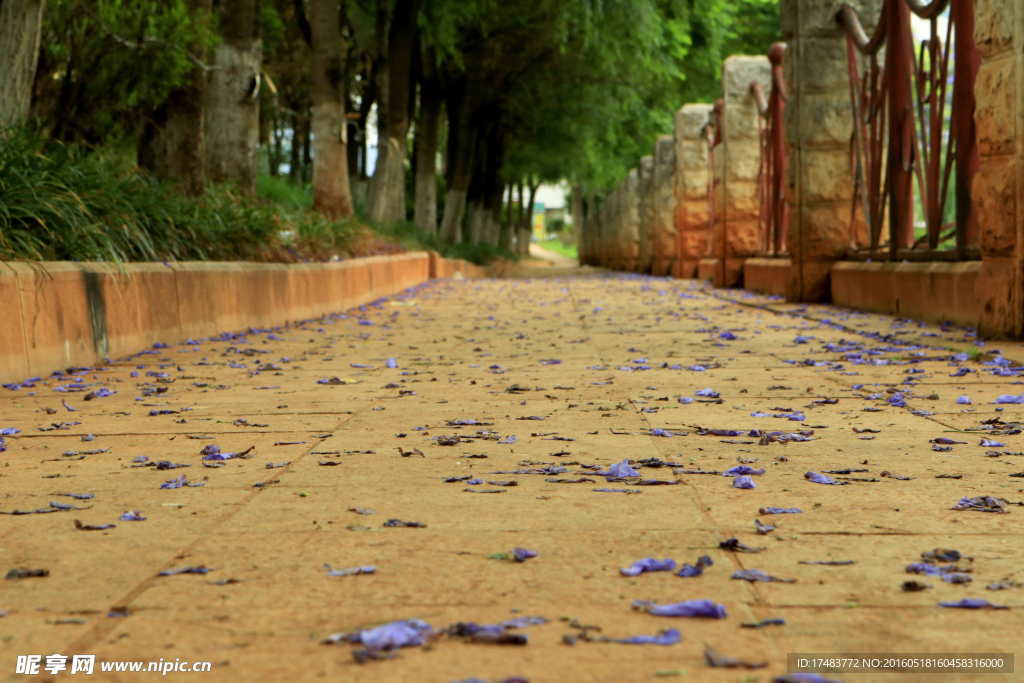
column 690, row 185
column 818, row 123
column 629, row 211
column 645, row 212
column 998, row 187
column 741, row 151
column 663, row 199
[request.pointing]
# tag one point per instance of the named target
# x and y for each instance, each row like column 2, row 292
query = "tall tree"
column 427, row 127
column 172, row 145
column 386, row 201
column 331, row 192
column 21, row 23
column 232, row 105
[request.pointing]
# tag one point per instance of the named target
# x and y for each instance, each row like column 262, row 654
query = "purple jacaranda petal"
column 400, row 523
column 728, row 336
column 780, row 511
column 696, row 368
column 763, row 528
column 3, row 445
column 685, row 400
column 668, row 637
column 186, row 570
column 620, row 469
column 706, row 393
column 648, row 564
column 508, row 439
column 991, row 444
column 964, row 400
column 724, row 432
column 408, row 633
column 741, row 470
column 473, row 482
column 743, row 482
column 64, row 401
column 753, row 575
column 1010, row 398
column 135, row 516
column 102, row 392
column 688, row 570
column 804, row 678
column 972, row 603
column 626, row 491
column 140, row 458
column 522, row 554
column 551, row 361
column 982, row 504
column 946, row 441
column 175, row 483
column 391, row 363
column 9, row 431
column 78, row 496
column 350, row 571
column 957, row 577
column 822, row 479
column 689, row 608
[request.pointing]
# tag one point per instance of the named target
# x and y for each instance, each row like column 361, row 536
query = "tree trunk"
column 427, row 124
column 277, row 131
column 494, row 184
column 232, row 106
column 294, row 160
column 461, row 139
column 331, row 193
column 520, row 215
column 386, row 200
column 20, row 27
column 507, row 226
column 526, row 229
column 172, row 145
column 577, row 212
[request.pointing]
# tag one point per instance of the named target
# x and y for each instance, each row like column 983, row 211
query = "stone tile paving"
column 565, row 379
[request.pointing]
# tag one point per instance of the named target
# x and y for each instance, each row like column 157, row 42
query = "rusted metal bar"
column 713, row 135
column 904, row 114
column 962, row 128
column 774, row 214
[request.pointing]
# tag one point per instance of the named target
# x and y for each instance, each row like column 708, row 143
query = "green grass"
column 64, row 203
column 556, row 245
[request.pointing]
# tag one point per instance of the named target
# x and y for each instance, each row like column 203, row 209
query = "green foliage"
column 58, row 202
column 106, row 63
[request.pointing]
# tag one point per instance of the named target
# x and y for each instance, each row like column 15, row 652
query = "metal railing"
column 900, row 130
column 773, row 219
column 713, row 136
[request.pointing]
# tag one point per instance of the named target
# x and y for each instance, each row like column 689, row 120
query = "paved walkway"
column 564, row 378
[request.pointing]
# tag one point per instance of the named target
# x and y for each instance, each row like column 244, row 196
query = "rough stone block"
column 998, row 291
column 690, row 121
column 993, row 26
column 818, row 17
column 995, row 199
column 694, row 244
column 827, row 120
column 823, row 64
column 743, row 162
column 692, row 170
column 825, row 231
column 996, row 95
column 744, row 200
column 826, row 176
column 739, row 71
